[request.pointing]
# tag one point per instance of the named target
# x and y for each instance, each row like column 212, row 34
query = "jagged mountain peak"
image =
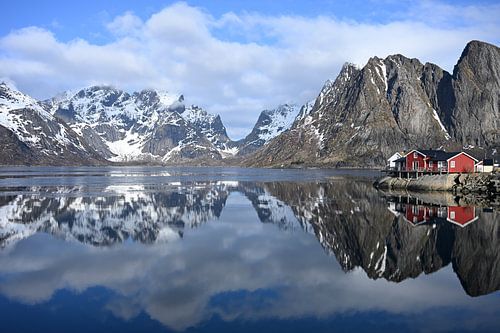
column 271, row 123
column 395, row 103
column 11, row 98
column 148, row 125
column 32, row 135
column 476, row 53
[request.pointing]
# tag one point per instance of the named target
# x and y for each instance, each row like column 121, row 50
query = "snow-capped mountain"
column 270, row 124
column 148, row 125
column 395, row 103
column 108, row 124
column 31, row 135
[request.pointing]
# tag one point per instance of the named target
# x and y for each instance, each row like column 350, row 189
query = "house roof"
column 487, row 161
column 464, row 153
column 402, row 159
column 439, row 155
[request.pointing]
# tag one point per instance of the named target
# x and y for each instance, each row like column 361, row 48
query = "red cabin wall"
column 410, row 159
column 434, row 166
column 463, row 163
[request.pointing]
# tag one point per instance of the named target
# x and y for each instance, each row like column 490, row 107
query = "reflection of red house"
column 461, row 216
column 416, row 214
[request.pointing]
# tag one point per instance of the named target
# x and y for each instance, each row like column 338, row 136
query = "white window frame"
column 452, row 215
column 452, row 164
column 415, row 155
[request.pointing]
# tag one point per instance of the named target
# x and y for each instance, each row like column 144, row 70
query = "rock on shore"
column 482, row 183
column 423, row 183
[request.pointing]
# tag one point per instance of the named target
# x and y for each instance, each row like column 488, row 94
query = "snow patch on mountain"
column 436, row 116
column 278, row 121
column 32, row 123
column 11, row 99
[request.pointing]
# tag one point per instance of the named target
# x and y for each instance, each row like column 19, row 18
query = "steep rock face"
column 31, row 135
column 270, row 124
column 144, row 126
column 475, row 115
column 394, row 104
column 212, row 128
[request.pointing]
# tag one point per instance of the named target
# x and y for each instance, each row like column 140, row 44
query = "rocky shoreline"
column 486, row 184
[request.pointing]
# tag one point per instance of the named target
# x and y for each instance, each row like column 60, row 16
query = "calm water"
column 240, row 250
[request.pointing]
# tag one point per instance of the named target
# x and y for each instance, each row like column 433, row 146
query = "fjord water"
column 227, row 249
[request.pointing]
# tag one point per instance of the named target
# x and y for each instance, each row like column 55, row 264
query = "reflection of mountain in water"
column 394, row 237
column 353, row 222
column 116, row 214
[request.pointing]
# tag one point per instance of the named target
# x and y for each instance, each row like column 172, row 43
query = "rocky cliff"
column 393, row 104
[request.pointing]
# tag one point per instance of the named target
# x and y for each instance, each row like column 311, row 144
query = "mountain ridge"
column 394, row 104
column 357, row 120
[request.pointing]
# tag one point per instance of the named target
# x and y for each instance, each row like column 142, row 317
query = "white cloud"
column 237, row 65
column 125, row 24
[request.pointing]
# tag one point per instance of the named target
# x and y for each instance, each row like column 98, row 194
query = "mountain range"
column 358, row 120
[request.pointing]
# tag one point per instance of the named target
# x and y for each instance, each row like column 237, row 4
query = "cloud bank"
column 237, row 64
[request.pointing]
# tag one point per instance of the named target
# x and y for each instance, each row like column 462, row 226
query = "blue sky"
column 234, row 58
column 85, row 19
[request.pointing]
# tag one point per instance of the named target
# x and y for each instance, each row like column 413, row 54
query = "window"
column 452, row 215
column 415, row 155
column 430, row 164
column 452, row 164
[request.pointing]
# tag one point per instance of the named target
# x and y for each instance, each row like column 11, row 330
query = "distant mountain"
column 270, row 124
column 31, row 135
column 112, row 125
column 145, row 126
column 396, row 103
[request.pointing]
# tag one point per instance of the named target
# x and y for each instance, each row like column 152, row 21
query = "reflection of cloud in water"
column 183, row 283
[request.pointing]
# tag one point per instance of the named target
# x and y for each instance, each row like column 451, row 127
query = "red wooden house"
column 436, row 161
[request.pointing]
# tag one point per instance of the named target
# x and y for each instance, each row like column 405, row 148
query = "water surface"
column 228, row 249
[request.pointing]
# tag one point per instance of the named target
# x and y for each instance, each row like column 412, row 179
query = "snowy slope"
column 149, row 125
column 270, row 124
column 38, row 135
column 10, row 100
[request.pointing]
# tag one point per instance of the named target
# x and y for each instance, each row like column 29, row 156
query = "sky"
column 233, row 58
